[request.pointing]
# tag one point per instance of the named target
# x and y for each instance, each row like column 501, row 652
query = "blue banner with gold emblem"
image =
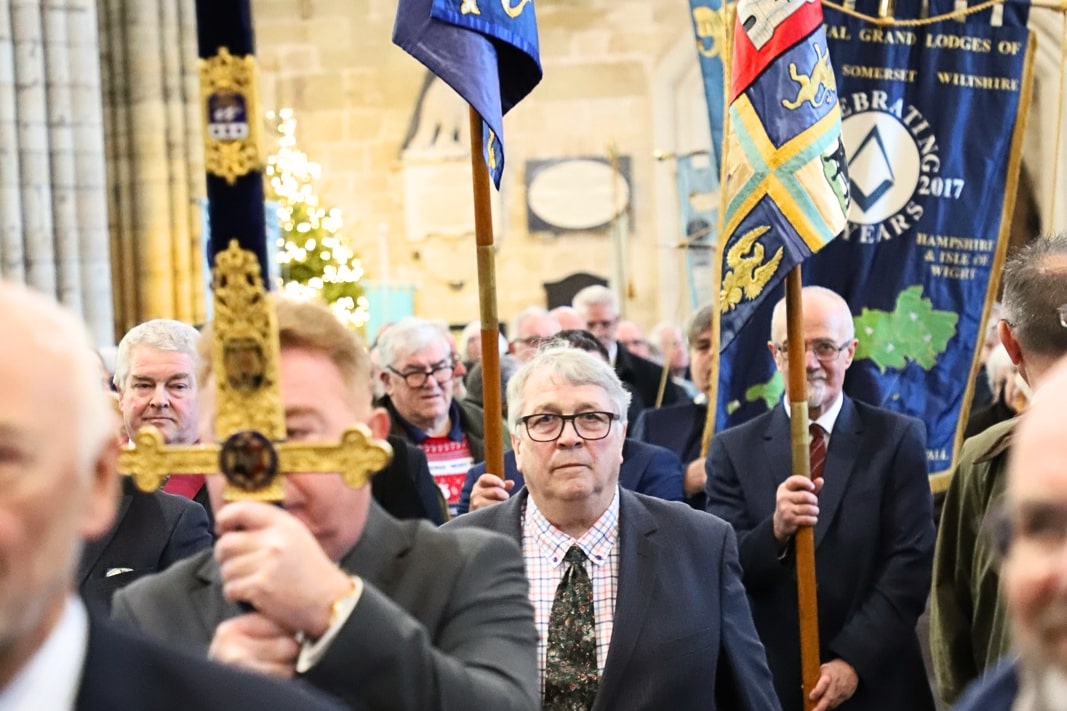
column 786, row 185
column 709, row 27
column 932, row 130
column 487, row 51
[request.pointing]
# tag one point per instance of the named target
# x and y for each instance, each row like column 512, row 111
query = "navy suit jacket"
column 646, row 469
column 678, row 428
column 151, row 531
column 873, row 549
column 683, row 636
column 126, row 672
column 995, row 690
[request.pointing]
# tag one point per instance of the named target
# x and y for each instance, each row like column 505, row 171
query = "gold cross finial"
column 249, row 418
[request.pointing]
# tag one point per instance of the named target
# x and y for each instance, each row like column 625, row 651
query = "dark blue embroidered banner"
column 486, row 50
column 709, row 27
column 931, row 129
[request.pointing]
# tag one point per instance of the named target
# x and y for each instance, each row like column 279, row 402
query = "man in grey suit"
column 384, row 614
column 671, row 623
column 874, row 532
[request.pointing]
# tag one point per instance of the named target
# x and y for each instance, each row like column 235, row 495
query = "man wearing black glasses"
column 872, row 512
column 418, row 373
column 638, row 602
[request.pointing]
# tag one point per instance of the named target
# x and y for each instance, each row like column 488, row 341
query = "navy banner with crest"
column 488, row 52
column 932, row 129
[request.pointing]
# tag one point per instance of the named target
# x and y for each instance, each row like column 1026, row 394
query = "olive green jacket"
column 968, row 627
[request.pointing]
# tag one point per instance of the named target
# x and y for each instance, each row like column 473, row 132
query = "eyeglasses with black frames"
column 441, row 372
column 825, row 351
column 547, row 426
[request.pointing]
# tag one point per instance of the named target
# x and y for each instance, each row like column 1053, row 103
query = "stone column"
column 154, row 157
column 51, row 156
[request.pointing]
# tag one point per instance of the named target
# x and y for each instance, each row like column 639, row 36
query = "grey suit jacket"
column 444, row 621
column 683, row 636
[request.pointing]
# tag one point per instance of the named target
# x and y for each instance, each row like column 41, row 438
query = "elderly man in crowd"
column 419, row 376
column 58, row 452
column 638, row 601
column 873, row 517
column 599, row 308
column 155, row 375
column 384, row 614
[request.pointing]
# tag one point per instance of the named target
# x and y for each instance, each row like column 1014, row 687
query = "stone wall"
column 354, row 95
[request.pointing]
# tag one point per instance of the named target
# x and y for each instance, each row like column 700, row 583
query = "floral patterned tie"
column 571, row 676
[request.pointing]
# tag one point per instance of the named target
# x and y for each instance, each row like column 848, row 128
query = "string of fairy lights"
column 315, row 257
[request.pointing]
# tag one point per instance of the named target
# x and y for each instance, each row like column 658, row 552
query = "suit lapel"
column 840, row 460
column 208, row 605
column 637, row 551
column 94, row 549
column 384, row 539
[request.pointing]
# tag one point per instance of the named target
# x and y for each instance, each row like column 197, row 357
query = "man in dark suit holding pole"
column 872, row 513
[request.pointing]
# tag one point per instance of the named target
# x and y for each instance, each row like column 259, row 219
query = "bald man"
column 873, row 519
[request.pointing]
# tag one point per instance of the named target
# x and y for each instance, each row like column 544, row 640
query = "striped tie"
column 571, row 675
column 817, row 450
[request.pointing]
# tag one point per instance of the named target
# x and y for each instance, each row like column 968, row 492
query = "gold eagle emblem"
column 748, row 273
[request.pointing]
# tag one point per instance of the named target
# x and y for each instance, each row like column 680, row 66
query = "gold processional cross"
column 249, row 417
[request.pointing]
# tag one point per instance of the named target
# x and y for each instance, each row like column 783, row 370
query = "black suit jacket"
column 873, row 549
column 405, row 488
column 151, row 531
column 683, row 636
column 644, row 376
column 646, row 469
column 126, row 672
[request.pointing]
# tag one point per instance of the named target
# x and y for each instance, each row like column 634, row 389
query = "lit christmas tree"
column 314, row 258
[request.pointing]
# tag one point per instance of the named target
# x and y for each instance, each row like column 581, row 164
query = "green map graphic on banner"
column 932, row 123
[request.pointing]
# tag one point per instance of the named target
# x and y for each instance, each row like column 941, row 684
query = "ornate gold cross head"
column 249, row 419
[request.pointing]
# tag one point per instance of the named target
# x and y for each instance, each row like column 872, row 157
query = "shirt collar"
column 596, row 543
column 829, row 416
column 50, row 678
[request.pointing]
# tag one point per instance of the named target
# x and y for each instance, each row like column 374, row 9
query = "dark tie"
column 817, row 450
column 571, row 676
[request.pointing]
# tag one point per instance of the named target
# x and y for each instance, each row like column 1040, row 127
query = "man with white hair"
column 419, row 372
column 598, row 306
column 155, row 374
column 638, row 602
column 530, row 328
column 58, row 453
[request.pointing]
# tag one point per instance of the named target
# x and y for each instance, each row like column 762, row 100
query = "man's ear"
column 103, row 492
column 378, row 422
column 1007, row 337
column 516, row 447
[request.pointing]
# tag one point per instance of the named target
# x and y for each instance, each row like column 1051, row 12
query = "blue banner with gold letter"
column 932, row 130
column 486, row 50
